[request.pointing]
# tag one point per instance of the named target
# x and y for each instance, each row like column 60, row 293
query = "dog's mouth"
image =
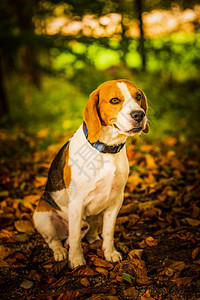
column 133, row 130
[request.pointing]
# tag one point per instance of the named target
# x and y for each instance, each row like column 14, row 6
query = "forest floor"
column 157, row 230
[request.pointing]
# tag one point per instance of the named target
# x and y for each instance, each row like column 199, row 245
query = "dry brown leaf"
column 140, row 271
column 5, row 234
column 142, row 244
column 176, row 164
column 34, row 275
column 192, row 222
column 131, row 293
column 135, row 253
column 152, row 213
column 182, row 281
column 147, row 296
column 4, row 252
column 24, row 226
column 83, row 271
column 84, row 282
column 99, row 262
column 150, row 241
column 69, row 295
column 148, row 204
column 195, row 252
column 128, row 208
column 102, row 271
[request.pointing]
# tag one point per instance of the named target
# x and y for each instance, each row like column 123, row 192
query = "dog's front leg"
column 76, row 257
column 109, row 220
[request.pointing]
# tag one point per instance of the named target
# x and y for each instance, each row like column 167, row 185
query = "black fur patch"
column 55, row 181
column 47, row 198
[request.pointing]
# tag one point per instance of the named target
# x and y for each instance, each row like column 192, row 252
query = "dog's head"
column 117, row 103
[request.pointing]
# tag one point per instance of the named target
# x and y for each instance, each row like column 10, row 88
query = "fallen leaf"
column 195, row 253
column 131, row 293
column 26, row 284
column 102, row 271
column 82, row 271
column 99, row 262
column 150, row 162
column 32, row 198
column 5, row 234
column 23, row 237
column 60, row 282
column 182, row 281
column 85, row 282
column 135, row 253
column 69, row 295
column 40, row 181
column 128, row 277
column 147, row 296
column 128, row 209
column 24, row 226
column 4, row 252
column 4, row 193
column 148, row 204
column 139, row 270
column 146, row 148
column 192, row 222
column 150, row 241
column 34, row 275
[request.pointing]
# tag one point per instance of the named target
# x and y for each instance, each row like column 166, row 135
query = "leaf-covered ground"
column 157, row 230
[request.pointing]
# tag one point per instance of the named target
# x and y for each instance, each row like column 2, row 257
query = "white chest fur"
column 95, row 177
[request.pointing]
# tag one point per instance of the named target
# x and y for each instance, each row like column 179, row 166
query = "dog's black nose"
column 137, row 115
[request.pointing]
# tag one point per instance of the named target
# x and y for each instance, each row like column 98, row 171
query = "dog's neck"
column 110, row 136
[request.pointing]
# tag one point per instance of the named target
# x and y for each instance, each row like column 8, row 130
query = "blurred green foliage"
column 171, row 84
column 48, row 78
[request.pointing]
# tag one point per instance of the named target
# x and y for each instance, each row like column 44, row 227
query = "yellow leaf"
column 148, row 204
column 43, row 132
column 39, row 181
column 192, row 222
column 32, row 198
column 150, row 161
column 24, row 226
column 4, row 252
column 135, row 253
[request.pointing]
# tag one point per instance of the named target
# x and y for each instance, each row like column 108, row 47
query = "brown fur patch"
column 67, row 171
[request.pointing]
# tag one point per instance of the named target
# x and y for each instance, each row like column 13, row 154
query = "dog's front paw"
column 76, row 261
column 113, row 256
column 60, row 253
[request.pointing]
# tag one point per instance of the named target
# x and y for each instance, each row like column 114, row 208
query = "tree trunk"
column 3, row 97
column 142, row 39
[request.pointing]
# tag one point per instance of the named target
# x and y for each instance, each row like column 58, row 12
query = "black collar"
column 101, row 147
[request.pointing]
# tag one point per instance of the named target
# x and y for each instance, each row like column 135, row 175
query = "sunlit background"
column 54, row 53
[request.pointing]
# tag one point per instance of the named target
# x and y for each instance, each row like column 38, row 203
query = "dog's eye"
column 138, row 97
column 115, row 101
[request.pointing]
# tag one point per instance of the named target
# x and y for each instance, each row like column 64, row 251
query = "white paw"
column 113, row 256
column 60, row 253
column 76, row 261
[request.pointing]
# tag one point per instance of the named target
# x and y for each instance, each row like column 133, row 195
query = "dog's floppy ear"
column 91, row 117
column 145, row 107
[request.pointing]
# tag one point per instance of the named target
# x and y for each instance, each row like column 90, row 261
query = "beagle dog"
column 87, row 178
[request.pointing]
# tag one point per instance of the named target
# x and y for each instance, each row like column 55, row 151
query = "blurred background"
column 54, row 53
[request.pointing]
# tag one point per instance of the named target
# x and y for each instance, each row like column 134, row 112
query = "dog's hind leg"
column 49, row 224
